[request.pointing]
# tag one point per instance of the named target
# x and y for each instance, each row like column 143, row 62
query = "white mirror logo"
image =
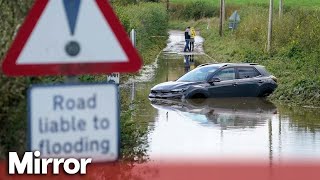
column 31, row 163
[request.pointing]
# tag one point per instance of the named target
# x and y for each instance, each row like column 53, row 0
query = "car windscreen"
column 198, row 75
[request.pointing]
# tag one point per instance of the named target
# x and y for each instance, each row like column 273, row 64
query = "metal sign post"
column 133, row 37
column 133, row 40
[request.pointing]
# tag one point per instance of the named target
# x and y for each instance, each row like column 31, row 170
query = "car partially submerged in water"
column 219, row 80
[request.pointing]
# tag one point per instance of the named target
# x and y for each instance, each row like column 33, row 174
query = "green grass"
column 297, row 3
column 150, row 22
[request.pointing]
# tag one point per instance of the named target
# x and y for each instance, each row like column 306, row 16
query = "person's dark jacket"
column 187, row 34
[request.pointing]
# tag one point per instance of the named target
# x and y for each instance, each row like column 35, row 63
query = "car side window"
column 247, row 72
column 226, row 74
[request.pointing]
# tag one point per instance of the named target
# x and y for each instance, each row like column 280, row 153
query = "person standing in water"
column 192, row 38
column 187, row 39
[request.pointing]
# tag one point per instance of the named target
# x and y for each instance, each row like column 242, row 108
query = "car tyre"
column 198, row 96
column 265, row 93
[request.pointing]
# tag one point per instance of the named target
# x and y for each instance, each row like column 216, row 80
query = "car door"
column 226, row 85
column 247, row 82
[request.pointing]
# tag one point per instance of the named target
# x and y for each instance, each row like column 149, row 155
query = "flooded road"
column 220, row 129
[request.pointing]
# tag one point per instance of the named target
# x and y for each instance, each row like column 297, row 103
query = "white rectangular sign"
column 113, row 78
column 79, row 121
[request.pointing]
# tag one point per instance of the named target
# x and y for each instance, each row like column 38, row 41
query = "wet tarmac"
column 220, row 129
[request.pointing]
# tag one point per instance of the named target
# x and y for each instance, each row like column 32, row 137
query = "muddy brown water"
column 221, row 129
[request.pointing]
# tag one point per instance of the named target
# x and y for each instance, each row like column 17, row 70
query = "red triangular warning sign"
column 71, row 38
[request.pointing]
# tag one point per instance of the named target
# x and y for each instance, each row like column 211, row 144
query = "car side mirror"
column 213, row 80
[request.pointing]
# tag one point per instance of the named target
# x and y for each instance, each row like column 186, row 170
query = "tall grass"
column 150, row 21
column 291, row 3
column 197, row 9
column 193, row 10
column 13, row 90
column 295, row 57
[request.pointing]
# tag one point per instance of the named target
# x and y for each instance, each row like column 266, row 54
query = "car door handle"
column 260, row 81
column 235, row 84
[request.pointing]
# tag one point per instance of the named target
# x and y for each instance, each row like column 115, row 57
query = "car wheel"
column 265, row 93
column 198, row 96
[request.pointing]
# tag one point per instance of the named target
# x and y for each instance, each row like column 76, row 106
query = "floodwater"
column 221, row 129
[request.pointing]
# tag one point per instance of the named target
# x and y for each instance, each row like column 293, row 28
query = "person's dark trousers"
column 191, row 46
column 187, row 46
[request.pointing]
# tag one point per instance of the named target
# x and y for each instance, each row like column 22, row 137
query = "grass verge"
column 290, row 3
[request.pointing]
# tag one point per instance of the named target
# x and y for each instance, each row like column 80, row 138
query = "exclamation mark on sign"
column 72, row 10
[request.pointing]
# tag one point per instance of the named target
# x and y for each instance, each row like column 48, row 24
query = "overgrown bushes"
column 193, row 10
column 150, row 21
column 12, row 90
column 295, row 33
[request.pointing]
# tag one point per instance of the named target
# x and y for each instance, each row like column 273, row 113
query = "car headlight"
column 178, row 90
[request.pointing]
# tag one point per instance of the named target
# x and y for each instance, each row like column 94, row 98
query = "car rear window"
column 247, row 72
column 263, row 70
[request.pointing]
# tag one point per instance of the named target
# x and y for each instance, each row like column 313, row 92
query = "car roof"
column 228, row 64
column 211, row 65
column 258, row 67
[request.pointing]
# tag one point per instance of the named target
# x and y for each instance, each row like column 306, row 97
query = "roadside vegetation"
column 150, row 21
column 289, row 3
column 295, row 56
column 198, row 9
